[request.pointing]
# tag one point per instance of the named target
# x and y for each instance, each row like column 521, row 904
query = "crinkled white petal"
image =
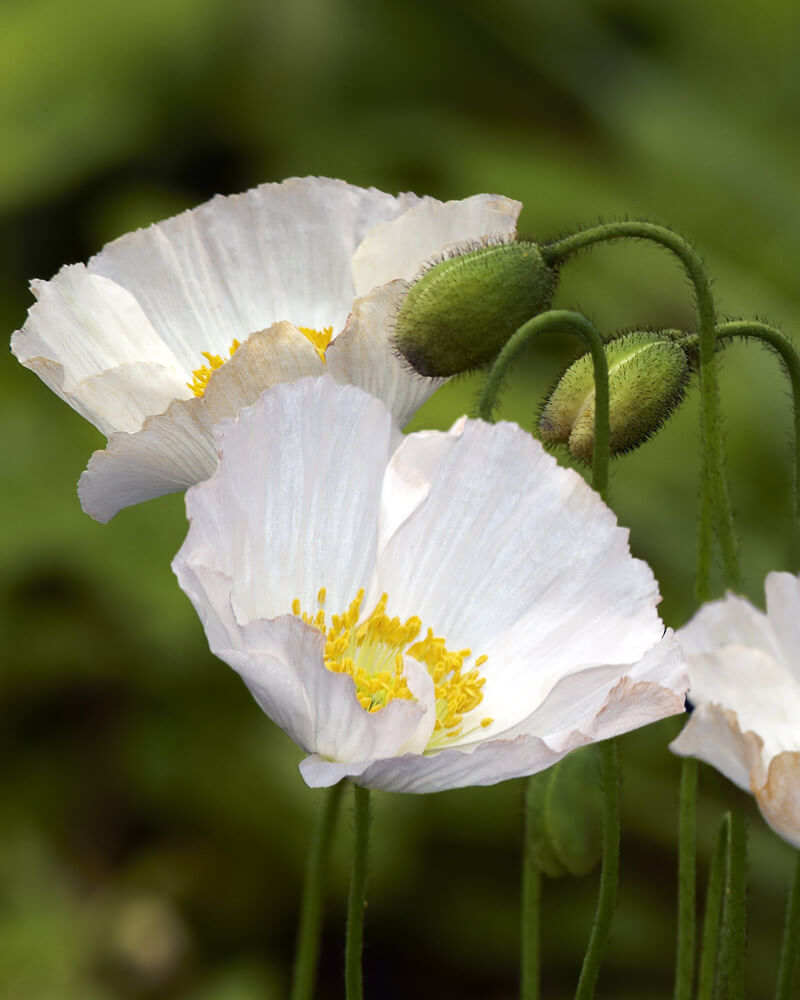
column 363, row 354
column 589, row 706
column 175, row 449
column 783, row 612
column 294, row 505
column 758, row 688
column 713, row 734
column 91, row 343
column 397, row 248
column 730, row 621
column 243, row 262
column 281, row 662
column 514, row 557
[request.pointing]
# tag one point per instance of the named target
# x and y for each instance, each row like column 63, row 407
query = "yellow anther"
column 372, row 651
column 486, row 722
column 320, row 339
column 201, row 375
column 481, row 660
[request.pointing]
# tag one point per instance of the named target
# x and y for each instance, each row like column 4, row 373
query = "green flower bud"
column 461, row 311
column 647, row 378
column 565, row 815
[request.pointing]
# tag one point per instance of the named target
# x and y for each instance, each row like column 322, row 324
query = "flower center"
column 371, row 652
column 320, row 339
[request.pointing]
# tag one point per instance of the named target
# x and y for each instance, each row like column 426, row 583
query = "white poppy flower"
column 744, row 670
column 171, row 328
column 420, row 613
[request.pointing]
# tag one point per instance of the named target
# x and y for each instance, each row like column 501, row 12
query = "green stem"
column 572, row 322
column 791, row 362
column 609, row 875
column 734, row 927
column 714, row 490
column 531, row 908
column 354, row 988
column 685, row 951
column 791, row 940
column 308, row 931
column 711, row 919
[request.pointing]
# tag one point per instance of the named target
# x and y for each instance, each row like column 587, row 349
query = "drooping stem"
column 531, row 909
column 685, row 951
column 572, row 322
column 609, row 875
column 308, row 931
column 714, row 490
column 353, row 980
column 791, row 362
column 716, row 883
column 790, row 947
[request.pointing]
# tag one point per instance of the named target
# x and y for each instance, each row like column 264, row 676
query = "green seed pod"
column 460, row 312
column 565, row 815
column 647, row 378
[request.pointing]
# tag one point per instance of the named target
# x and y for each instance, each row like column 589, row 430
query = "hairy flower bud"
column 461, row 310
column 647, row 378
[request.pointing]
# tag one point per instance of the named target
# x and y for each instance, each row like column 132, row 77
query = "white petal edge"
column 563, row 593
column 783, row 612
column 175, row 449
column 363, row 354
column 397, row 248
column 243, row 262
column 293, row 506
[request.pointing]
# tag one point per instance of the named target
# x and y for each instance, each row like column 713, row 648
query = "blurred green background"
column 152, row 822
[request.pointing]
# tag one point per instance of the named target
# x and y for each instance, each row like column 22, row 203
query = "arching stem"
column 687, row 875
column 790, row 358
column 709, row 951
column 548, row 322
column 790, row 948
column 714, row 490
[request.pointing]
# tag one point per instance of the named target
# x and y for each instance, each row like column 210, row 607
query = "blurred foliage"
column 152, row 823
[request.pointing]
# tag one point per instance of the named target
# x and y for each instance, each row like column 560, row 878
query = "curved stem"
column 609, row 876
column 711, row 920
column 791, row 362
column 791, row 940
column 308, row 931
column 684, row 956
column 353, row 981
column 714, row 490
column 572, row 322
column 531, row 908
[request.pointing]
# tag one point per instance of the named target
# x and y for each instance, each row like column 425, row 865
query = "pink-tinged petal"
column 783, row 612
column 398, row 248
column 779, row 797
column 175, row 449
column 244, row 262
column 713, row 734
column 364, row 356
column 514, row 557
column 294, row 505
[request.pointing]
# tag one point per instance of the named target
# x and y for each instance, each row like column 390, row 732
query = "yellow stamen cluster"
column 201, row 375
column 372, row 654
column 319, row 338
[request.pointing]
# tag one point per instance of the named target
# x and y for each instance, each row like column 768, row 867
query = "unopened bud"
column 461, row 311
column 647, row 378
